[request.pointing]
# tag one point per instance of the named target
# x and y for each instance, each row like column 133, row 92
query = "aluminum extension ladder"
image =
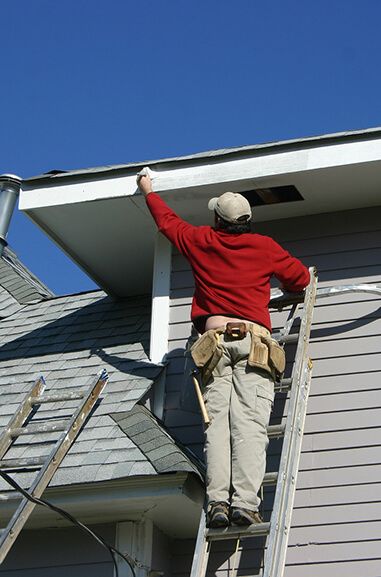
column 277, row 530
column 22, row 423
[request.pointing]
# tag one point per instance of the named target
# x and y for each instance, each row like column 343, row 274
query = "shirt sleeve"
column 291, row 272
column 177, row 230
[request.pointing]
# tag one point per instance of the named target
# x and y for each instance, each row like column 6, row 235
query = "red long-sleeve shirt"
column 231, row 271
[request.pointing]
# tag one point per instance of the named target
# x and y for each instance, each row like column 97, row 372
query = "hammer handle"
column 204, row 412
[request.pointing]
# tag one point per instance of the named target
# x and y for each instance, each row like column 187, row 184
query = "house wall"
column 337, row 515
column 161, row 553
column 59, row 552
column 54, row 552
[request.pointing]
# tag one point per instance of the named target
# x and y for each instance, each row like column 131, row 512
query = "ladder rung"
column 288, row 339
column 40, row 428
column 55, row 398
column 276, row 544
column 274, row 431
column 70, row 427
column 270, row 478
column 285, row 384
column 233, row 532
column 286, row 300
column 21, row 463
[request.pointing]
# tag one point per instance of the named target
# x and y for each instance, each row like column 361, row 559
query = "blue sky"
column 89, row 82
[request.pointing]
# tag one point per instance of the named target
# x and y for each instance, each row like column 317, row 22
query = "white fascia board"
column 32, row 197
column 200, row 175
column 90, row 496
column 172, row 501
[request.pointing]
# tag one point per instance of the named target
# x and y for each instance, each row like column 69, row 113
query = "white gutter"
column 114, row 500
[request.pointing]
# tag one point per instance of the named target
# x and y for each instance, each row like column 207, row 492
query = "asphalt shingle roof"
column 69, row 340
column 155, row 443
column 18, row 285
column 8, row 304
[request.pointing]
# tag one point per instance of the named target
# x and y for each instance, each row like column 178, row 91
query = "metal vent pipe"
column 9, row 192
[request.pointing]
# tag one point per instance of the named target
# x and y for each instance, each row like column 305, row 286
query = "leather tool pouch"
column 266, row 354
column 236, row 330
column 277, row 358
column 206, row 353
column 259, row 353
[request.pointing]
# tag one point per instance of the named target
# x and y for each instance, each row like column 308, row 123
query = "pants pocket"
column 263, row 405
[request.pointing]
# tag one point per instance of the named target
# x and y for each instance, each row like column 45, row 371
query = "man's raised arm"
column 169, row 223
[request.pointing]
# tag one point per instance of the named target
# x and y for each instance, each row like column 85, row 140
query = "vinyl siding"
column 58, row 552
column 337, row 513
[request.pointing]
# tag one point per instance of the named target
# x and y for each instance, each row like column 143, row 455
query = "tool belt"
column 265, row 353
column 206, row 352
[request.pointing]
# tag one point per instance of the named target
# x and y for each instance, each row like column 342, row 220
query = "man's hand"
column 144, row 183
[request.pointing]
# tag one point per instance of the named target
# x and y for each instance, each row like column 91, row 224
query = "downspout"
column 9, row 192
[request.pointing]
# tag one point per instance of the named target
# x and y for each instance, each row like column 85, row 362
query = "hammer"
column 204, row 412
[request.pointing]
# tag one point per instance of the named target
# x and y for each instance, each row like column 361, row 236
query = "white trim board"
column 198, row 175
column 160, row 299
column 135, row 539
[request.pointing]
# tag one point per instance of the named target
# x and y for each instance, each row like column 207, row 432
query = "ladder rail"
column 206, row 536
column 280, row 298
column 52, row 462
column 279, row 527
column 285, row 491
column 20, row 416
column 202, row 550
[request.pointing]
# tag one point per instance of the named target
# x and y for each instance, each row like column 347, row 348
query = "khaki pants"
column 238, row 400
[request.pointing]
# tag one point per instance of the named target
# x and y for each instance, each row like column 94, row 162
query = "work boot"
column 218, row 515
column 241, row 516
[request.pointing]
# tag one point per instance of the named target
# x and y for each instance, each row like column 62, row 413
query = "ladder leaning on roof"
column 21, row 423
column 278, row 529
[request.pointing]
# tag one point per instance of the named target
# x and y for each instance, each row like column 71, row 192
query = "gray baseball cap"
column 231, row 206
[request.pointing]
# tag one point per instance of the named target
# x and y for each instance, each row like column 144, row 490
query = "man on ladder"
column 239, row 361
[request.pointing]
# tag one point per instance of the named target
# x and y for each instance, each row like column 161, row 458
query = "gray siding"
column 336, row 521
column 59, row 552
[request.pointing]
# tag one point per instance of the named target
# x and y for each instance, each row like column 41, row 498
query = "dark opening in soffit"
column 273, row 195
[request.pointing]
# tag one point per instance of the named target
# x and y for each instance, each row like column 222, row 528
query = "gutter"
column 112, row 501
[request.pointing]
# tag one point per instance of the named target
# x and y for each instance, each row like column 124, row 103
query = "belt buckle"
column 236, row 330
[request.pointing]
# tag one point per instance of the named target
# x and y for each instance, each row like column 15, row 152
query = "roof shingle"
column 68, row 340
column 18, row 285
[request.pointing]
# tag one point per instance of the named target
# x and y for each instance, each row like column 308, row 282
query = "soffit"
column 172, row 501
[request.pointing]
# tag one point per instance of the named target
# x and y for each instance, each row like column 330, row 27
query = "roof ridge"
column 195, row 464
column 11, row 258
column 19, row 283
column 188, row 452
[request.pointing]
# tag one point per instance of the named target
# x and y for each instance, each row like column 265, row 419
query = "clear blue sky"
column 90, row 82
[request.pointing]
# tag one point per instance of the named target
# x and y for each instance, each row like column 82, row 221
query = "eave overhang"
column 99, row 218
column 172, row 501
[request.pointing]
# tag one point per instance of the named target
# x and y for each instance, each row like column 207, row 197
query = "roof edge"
column 294, row 143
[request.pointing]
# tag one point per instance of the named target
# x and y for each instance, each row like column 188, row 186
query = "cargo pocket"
column 263, row 405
